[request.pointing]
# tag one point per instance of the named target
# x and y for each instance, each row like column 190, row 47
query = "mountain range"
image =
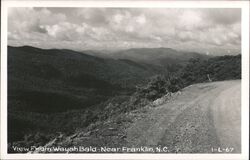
column 51, row 85
column 154, row 56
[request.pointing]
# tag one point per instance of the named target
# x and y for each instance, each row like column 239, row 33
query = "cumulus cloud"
column 118, row 28
column 29, row 19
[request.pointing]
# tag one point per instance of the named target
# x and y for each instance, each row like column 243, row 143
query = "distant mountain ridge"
column 155, row 56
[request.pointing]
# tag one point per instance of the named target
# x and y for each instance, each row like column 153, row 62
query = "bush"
column 175, row 84
column 156, row 88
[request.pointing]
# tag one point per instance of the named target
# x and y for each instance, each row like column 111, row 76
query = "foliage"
column 157, row 87
column 218, row 69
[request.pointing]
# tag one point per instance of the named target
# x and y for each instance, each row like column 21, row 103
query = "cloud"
column 190, row 20
column 105, row 28
column 95, row 17
column 27, row 23
column 30, row 19
column 223, row 16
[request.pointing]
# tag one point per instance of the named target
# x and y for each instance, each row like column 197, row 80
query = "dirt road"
column 204, row 118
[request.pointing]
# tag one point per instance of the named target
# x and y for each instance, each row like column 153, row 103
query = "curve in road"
column 204, row 118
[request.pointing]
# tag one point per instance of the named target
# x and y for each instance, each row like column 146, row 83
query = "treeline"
column 196, row 71
column 217, row 69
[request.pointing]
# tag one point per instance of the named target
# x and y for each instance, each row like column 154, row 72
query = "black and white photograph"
column 134, row 80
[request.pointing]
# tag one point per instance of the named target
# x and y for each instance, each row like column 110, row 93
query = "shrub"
column 157, row 87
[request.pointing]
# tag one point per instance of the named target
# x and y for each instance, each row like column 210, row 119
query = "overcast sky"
column 201, row 30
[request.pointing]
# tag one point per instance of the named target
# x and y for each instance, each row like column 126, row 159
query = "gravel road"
column 204, row 118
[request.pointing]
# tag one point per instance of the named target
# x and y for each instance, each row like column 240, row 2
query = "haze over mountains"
column 155, row 56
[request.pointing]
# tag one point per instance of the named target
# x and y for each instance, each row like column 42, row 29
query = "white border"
column 244, row 5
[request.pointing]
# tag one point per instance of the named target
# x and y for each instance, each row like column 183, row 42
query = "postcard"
column 125, row 80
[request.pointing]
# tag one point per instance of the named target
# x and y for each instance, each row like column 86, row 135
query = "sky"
column 208, row 31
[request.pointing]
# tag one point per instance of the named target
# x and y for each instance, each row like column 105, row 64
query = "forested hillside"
column 46, row 86
column 217, row 68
